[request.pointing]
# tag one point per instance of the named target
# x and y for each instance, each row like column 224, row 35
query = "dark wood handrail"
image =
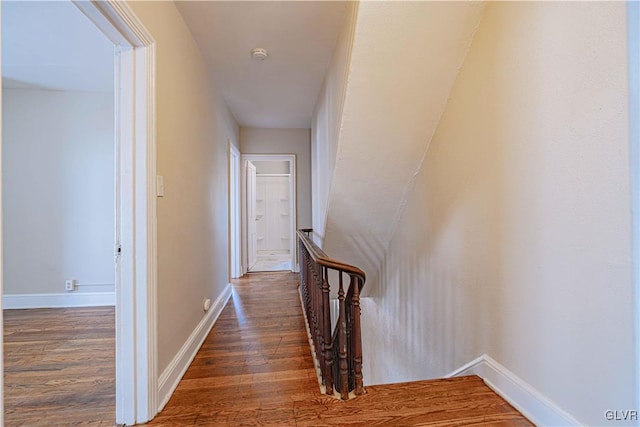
column 322, row 258
column 338, row 352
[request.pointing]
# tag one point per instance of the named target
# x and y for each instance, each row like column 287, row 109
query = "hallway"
column 255, row 368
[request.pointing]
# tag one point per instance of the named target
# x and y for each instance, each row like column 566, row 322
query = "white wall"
column 325, row 122
column 58, row 191
column 193, row 124
column 285, row 141
column 515, row 240
column 404, row 60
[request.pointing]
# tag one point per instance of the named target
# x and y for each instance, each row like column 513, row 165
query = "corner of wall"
column 530, row 402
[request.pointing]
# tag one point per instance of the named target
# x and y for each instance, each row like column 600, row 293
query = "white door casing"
column 291, row 159
column 136, row 319
column 633, row 49
column 235, row 267
column 252, row 215
column 1, row 246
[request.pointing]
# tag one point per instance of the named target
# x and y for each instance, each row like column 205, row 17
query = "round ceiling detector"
column 259, row 53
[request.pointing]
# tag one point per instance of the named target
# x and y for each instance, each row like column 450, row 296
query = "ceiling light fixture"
column 259, row 53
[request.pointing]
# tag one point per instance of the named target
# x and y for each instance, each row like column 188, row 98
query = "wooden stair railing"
column 339, row 352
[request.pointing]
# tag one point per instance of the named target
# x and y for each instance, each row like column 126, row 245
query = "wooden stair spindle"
column 328, row 347
column 342, row 343
column 357, row 339
column 318, row 312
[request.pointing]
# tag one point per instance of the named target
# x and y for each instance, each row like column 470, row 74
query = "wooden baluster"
column 301, row 257
column 320, row 346
column 312, row 296
column 342, row 342
column 326, row 317
column 304, row 275
column 336, row 358
column 357, row 339
column 304, row 278
column 350, row 350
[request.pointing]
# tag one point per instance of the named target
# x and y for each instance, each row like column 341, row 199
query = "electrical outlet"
column 70, row 285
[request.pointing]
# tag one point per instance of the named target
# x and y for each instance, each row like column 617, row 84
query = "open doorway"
column 132, row 49
column 59, row 221
column 269, row 212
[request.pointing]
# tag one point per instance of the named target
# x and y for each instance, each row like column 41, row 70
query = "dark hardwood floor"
column 59, row 367
column 255, row 368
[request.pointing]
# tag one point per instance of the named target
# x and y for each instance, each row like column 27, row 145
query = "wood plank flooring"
column 255, row 368
column 59, row 367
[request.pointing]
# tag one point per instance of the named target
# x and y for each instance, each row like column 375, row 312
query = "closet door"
column 273, row 213
column 261, row 213
column 280, row 213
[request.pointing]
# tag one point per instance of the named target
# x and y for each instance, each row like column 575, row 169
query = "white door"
column 281, row 213
column 251, row 215
column 261, row 214
column 273, row 213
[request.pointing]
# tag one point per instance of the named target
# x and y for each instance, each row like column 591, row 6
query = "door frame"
column 135, row 118
column 291, row 159
column 235, row 259
column 136, row 385
column 633, row 64
column 250, row 204
column 1, row 247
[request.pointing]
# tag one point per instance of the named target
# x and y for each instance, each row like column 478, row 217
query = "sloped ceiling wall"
column 404, row 59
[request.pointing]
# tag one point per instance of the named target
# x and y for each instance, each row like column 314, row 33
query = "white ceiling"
column 279, row 92
column 52, row 45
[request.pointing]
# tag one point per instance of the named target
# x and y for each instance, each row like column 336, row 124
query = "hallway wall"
column 515, row 240
column 193, row 124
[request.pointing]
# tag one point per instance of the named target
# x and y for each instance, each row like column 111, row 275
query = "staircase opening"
column 335, row 337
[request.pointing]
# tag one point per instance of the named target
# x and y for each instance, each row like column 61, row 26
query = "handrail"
column 343, row 343
column 322, row 258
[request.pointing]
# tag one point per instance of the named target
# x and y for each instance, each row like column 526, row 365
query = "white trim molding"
column 170, row 378
column 1, row 251
column 61, row 300
column 235, row 220
column 633, row 52
column 530, row 402
column 136, row 271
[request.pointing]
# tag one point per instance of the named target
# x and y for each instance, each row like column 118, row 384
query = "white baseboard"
column 170, row 378
column 530, row 402
column 67, row 299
